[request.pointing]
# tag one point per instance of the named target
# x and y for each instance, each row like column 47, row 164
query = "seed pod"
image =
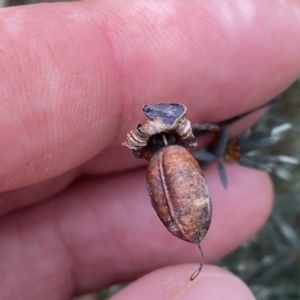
column 177, row 188
column 179, row 193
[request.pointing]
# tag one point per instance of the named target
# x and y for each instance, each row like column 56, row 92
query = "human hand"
column 75, row 213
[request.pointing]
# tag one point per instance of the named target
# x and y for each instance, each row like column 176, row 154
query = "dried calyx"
column 168, row 125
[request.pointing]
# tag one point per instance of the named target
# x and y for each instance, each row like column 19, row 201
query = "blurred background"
column 270, row 262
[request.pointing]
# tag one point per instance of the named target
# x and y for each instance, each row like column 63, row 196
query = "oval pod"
column 179, row 193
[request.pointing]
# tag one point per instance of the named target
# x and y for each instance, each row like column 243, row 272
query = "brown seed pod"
column 176, row 185
column 179, row 193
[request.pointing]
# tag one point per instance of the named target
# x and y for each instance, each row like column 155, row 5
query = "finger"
column 22, row 197
column 102, row 232
column 173, row 283
column 28, row 195
column 79, row 72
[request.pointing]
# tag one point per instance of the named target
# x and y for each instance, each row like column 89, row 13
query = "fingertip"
column 173, row 283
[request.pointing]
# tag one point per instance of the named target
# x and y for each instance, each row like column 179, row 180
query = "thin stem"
column 164, row 138
column 197, row 272
column 204, row 128
column 241, row 116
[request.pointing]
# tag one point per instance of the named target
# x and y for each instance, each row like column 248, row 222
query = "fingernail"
column 213, row 286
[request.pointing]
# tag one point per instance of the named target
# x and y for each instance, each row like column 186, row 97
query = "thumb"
column 173, row 283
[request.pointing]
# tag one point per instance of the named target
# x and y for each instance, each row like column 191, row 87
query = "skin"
column 75, row 216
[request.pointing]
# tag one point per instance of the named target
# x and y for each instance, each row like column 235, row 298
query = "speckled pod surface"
column 179, row 193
